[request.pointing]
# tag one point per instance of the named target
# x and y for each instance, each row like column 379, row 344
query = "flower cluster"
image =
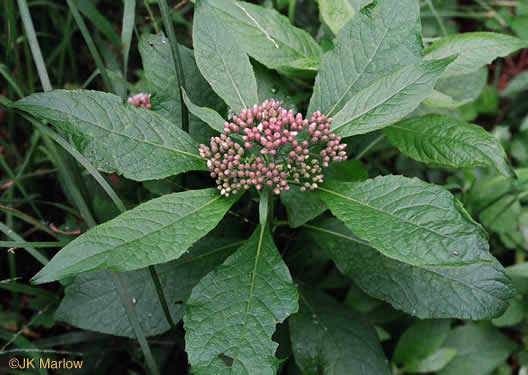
column 141, row 100
column 276, row 146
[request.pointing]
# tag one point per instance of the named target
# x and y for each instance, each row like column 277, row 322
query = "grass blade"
column 33, row 44
column 127, row 31
column 89, row 41
column 169, row 28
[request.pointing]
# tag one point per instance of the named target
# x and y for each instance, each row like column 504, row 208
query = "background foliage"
column 409, row 259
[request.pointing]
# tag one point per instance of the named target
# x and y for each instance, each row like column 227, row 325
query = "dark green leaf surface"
column 221, row 59
column 92, row 301
column 207, row 115
column 162, row 82
column 267, row 36
column 389, row 99
column 233, row 311
column 301, row 206
column 441, row 140
column 140, row 144
column 474, row 50
column 305, row 206
column 476, row 290
column 154, row 232
column 408, row 220
column 421, row 340
column 435, row 362
column 367, row 49
column 480, row 350
column 463, row 89
column 330, row 339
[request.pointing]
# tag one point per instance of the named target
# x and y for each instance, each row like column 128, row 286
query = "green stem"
column 132, row 317
column 178, row 64
column 161, row 295
column 291, row 11
column 266, row 206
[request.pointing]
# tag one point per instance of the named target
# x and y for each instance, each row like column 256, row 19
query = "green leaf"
column 476, row 290
column 421, row 340
column 221, row 59
column 336, row 13
column 408, row 220
column 479, row 350
column 435, row 362
column 303, row 206
column 517, row 85
column 444, row 141
column 207, row 115
column 140, row 144
column 92, row 300
column 512, row 316
column 329, row 339
column 370, row 47
column 474, row 50
column 267, row 36
column 232, row 312
column 389, row 99
column 162, row 82
column 154, row 232
column 463, row 89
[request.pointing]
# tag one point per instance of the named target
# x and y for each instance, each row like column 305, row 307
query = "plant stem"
column 291, row 11
column 178, row 64
column 266, row 206
column 161, row 295
column 132, row 317
column 151, row 15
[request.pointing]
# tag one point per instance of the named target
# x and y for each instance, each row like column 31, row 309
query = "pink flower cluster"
column 277, row 146
column 141, row 100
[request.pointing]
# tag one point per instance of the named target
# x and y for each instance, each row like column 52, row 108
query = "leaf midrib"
column 111, row 249
column 360, row 74
column 425, row 267
column 380, row 102
column 384, row 213
column 250, row 295
column 444, row 138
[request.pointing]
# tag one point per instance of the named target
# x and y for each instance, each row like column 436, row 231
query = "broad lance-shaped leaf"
column 162, row 82
column 480, row 350
column 140, row 144
column 233, row 311
column 369, row 47
column 268, row 36
column 154, row 232
column 92, row 301
column 221, row 59
column 471, row 289
column 330, row 339
column 408, row 220
column 389, row 99
column 441, row 140
column 474, row 50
